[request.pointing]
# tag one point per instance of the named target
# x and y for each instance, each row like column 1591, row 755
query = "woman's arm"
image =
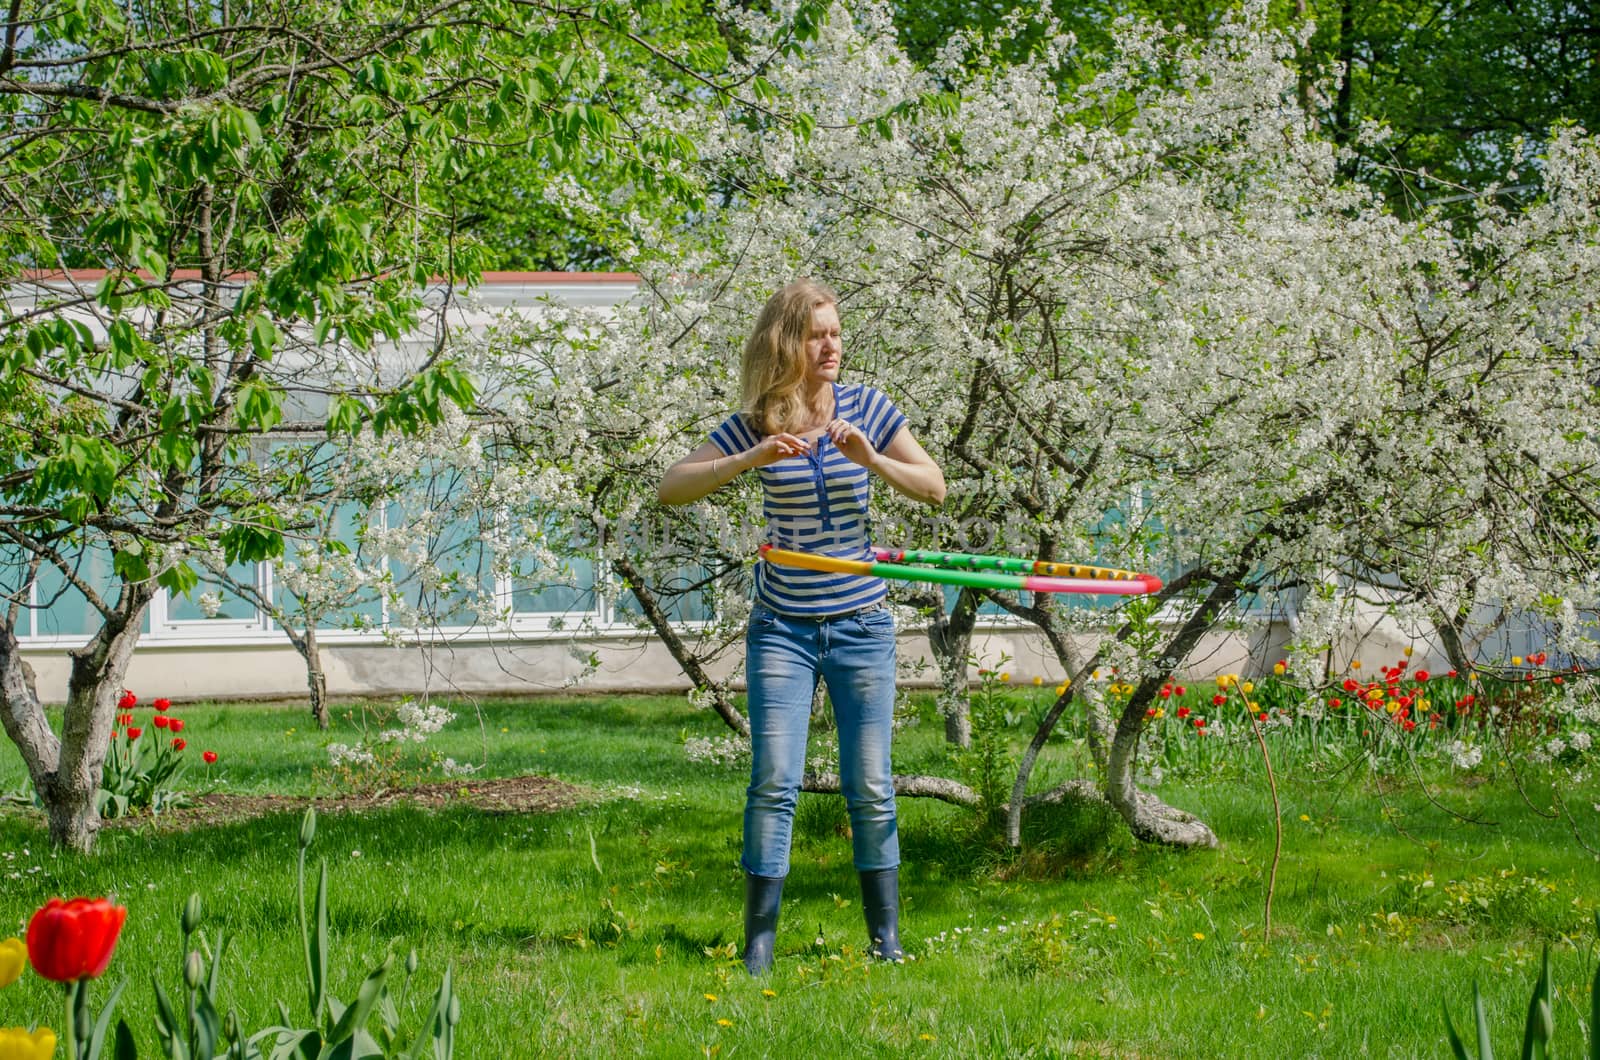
column 903, row 463
column 708, row 468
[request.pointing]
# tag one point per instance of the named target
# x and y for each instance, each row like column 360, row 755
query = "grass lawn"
column 609, row 928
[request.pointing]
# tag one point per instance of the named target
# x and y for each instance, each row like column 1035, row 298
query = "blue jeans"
column 784, row 656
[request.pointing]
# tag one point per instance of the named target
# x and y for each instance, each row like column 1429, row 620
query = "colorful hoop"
column 975, row 571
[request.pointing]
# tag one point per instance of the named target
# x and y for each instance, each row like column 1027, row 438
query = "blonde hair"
column 774, row 365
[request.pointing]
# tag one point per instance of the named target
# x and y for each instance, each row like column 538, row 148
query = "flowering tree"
column 261, row 205
column 1146, row 321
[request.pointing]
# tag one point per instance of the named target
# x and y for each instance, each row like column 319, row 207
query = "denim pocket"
column 877, row 623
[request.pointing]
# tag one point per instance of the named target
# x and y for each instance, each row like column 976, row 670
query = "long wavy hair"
column 773, row 369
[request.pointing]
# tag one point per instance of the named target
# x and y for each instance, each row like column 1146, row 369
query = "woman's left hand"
column 852, row 443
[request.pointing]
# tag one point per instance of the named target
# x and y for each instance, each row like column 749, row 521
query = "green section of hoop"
column 975, row 562
column 939, row 575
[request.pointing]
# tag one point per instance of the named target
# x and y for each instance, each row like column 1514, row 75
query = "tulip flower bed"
column 610, row 926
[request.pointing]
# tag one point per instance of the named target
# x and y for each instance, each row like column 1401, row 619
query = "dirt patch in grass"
column 506, row 795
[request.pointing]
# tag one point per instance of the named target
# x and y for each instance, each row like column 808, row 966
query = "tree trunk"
column 1148, row 816
column 721, row 701
column 316, row 678
column 66, row 770
column 950, row 636
column 22, row 714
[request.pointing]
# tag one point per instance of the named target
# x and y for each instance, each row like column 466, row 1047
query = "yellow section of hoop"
column 811, row 561
column 1079, row 570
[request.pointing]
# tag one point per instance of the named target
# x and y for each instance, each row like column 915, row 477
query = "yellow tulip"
column 1407, row 651
column 13, row 958
column 1516, row 660
column 1247, row 687
column 18, row 1044
column 1279, row 669
column 1355, row 664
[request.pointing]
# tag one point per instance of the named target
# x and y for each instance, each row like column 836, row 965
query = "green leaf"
column 263, row 336
column 1481, row 1018
column 123, row 1047
column 1594, row 1005
column 436, row 1027
column 355, row 1017
column 319, row 946
column 1457, row 1048
column 260, row 405
column 167, row 1022
column 179, row 579
column 1536, row 1033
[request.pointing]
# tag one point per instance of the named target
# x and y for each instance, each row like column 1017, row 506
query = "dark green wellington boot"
column 880, row 901
column 762, row 896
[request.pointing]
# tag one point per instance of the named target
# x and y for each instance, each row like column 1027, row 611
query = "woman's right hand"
column 775, row 447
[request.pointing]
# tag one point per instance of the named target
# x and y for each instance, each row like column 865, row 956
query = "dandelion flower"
column 769, row 993
column 711, row 997
column 724, row 1022
column 1200, row 936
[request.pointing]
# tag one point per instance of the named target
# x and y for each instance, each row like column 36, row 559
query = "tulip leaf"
column 1485, row 1048
column 169, row 1026
column 207, row 1025
column 437, row 1022
column 123, row 1046
column 1594, row 1004
column 1538, row 1029
column 319, row 947
column 97, row 1038
column 355, row 1017
column 1457, row 1048
column 213, row 978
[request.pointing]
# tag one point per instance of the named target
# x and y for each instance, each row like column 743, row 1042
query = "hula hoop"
column 975, row 571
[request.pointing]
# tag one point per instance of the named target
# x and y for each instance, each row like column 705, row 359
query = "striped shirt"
column 817, row 502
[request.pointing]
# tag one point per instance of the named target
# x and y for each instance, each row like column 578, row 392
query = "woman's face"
column 823, row 347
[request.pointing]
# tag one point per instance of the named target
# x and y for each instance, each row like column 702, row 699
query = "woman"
column 815, row 443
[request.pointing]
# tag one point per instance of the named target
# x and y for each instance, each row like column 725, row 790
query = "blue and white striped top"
column 817, row 502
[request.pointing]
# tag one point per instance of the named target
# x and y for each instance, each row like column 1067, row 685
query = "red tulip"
column 1335, row 703
column 1452, row 673
column 176, row 724
column 128, row 701
column 1410, row 725
column 1218, row 700
column 133, row 733
column 162, row 705
column 68, row 941
column 160, row 721
column 180, row 743
column 210, row 757
column 1166, row 693
column 1350, row 684
column 1420, row 676
column 1180, row 690
column 1183, row 712
column 1199, row 723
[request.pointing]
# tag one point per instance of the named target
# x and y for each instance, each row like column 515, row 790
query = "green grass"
column 595, row 930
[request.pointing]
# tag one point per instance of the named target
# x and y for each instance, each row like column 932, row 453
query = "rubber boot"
column 880, row 901
column 762, row 895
